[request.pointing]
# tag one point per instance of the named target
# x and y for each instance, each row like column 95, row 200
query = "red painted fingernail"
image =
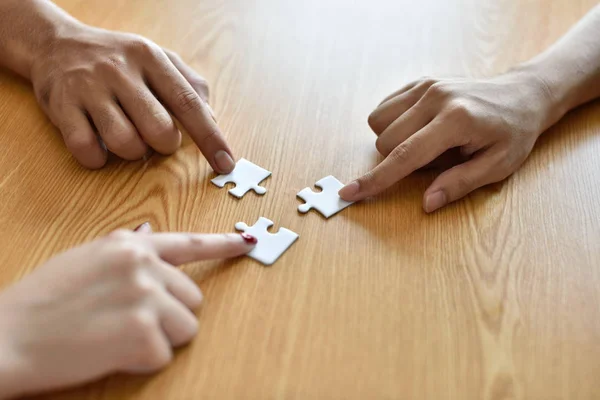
column 143, row 227
column 249, row 238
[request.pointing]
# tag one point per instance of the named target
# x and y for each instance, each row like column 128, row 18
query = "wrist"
column 550, row 95
column 28, row 29
column 10, row 375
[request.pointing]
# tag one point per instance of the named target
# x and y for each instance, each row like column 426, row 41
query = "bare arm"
column 571, row 67
column 27, row 27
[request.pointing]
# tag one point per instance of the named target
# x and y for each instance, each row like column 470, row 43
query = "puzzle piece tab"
column 327, row 202
column 246, row 176
column 270, row 246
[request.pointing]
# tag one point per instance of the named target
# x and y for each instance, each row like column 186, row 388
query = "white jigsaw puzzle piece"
column 270, row 246
column 246, row 176
column 327, row 202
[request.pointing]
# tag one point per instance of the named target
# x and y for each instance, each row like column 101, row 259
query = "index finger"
column 193, row 113
column 411, row 155
column 182, row 248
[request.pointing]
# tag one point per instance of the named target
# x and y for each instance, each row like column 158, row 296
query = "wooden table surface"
column 494, row 297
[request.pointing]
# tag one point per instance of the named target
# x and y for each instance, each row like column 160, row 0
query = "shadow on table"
column 396, row 218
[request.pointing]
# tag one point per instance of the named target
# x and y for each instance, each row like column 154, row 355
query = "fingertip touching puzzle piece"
column 246, row 176
column 270, row 246
column 327, row 202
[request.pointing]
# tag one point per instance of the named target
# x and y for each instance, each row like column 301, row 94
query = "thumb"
column 459, row 181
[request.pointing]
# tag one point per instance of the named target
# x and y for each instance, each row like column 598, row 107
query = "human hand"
column 110, row 90
column 116, row 304
column 494, row 122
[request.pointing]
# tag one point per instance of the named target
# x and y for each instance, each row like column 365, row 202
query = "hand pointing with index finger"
column 119, row 92
column 494, row 122
column 116, row 304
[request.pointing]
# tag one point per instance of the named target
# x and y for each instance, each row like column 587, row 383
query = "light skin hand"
column 116, row 304
column 494, row 123
column 108, row 90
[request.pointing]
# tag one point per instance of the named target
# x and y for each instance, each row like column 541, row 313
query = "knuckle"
column 149, row 352
column 438, row 90
column 130, row 254
column 140, row 323
column 186, row 330
column 162, row 127
column 374, row 122
column 192, row 328
column 462, row 111
column 382, row 148
column 74, row 79
column 427, row 81
column 196, row 298
column 111, row 66
column 78, row 143
column 121, row 139
column 104, row 120
column 159, row 357
column 400, row 154
column 141, row 287
column 120, row 235
column 127, row 140
column 187, row 101
column 142, row 47
column 195, row 241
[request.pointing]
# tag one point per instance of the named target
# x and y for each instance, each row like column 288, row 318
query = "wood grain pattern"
column 495, row 297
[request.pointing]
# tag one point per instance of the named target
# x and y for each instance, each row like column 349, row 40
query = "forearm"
column 570, row 69
column 28, row 27
column 10, row 371
column 8, row 377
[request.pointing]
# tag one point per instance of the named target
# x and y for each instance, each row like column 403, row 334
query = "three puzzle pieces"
column 246, row 176
column 327, row 202
column 270, row 246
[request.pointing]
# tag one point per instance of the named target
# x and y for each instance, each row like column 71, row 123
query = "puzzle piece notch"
column 246, row 176
column 327, row 202
column 270, row 246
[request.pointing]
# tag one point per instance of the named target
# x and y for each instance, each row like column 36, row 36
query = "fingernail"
column 144, row 228
column 212, row 113
column 249, row 239
column 435, row 200
column 224, row 161
column 350, row 191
